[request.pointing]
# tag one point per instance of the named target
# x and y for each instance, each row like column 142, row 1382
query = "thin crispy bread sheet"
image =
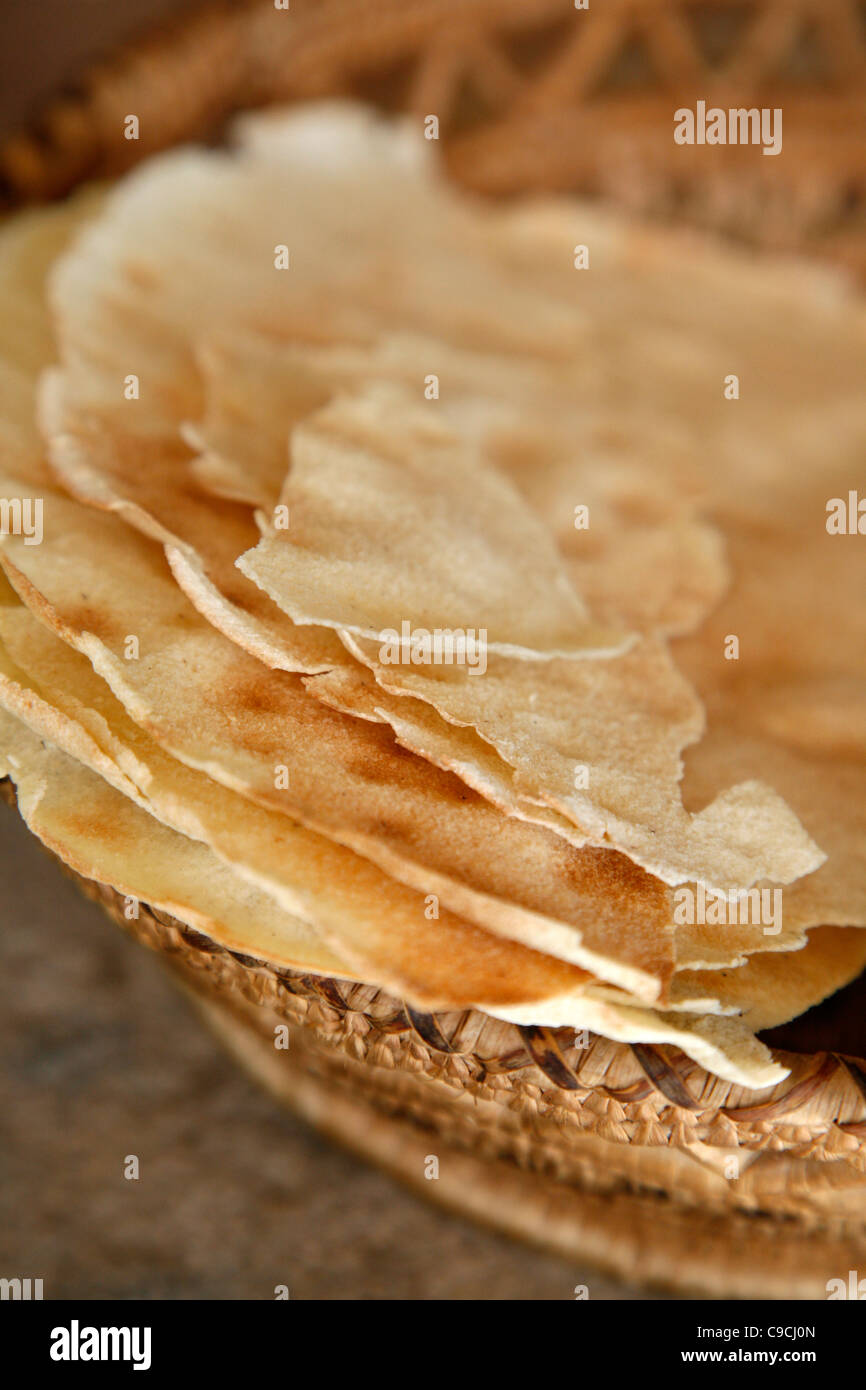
column 54, row 690
column 777, row 943
column 214, row 529
column 393, row 520
column 620, row 725
column 131, row 459
column 365, row 917
column 623, row 720
column 772, row 989
column 418, row 727
column 764, row 321
column 401, row 949
column 105, row 837
column 240, row 724
column 746, row 1064
column 724, row 1045
column 793, row 703
column 768, row 989
column 647, row 561
column 96, row 583
column 205, row 228
column 712, row 1041
column 109, row 833
column 644, row 524
column 796, row 697
column 352, row 689
column 252, row 384
column 100, row 447
column 517, row 880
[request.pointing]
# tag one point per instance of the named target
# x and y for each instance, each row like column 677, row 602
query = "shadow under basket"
column 629, row 1157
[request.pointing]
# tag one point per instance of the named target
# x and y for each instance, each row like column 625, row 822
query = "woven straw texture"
column 530, row 94
column 599, row 1148
column 603, row 1167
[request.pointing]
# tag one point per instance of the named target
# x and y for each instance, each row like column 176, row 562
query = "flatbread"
column 646, row 560
column 105, row 837
column 417, row 727
column 723, row 1045
column 253, row 390
column 733, row 1053
column 394, row 523
column 796, row 698
column 772, row 989
column 377, row 923
column 53, row 689
column 87, row 720
column 703, row 946
column 101, row 451
column 152, row 682
column 220, row 711
column 206, row 227
column 620, row 724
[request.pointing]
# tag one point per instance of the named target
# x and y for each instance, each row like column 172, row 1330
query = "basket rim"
column 190, row 71
column 632, row 1231
column 646, row 1094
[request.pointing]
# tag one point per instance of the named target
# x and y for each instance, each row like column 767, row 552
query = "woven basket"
column 630, row 1156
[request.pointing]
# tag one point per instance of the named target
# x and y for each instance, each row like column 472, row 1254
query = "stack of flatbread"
column 391, row 595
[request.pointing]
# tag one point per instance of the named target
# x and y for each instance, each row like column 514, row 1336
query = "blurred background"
column 100, row 1056
column 530, row 94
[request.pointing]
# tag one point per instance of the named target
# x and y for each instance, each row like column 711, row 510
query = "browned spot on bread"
column 84, row 618
column 68, row 622
column 141, row 275
column 85, row 822
column 615, row 874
